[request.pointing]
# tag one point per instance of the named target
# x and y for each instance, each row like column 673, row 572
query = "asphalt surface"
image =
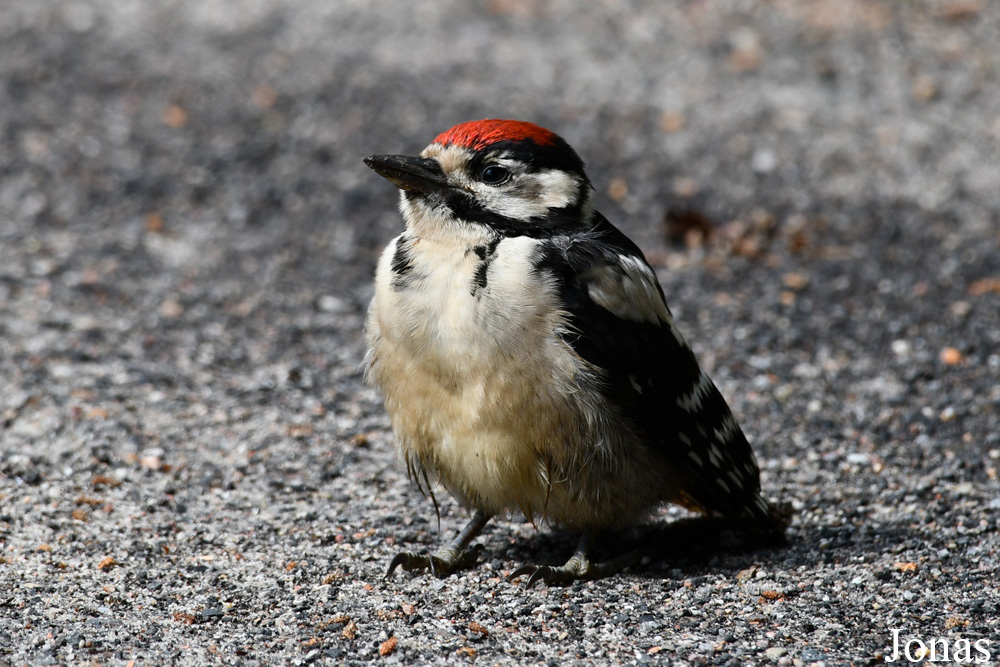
column 192, row 471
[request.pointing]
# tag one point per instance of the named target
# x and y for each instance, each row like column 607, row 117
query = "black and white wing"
column 620, row 323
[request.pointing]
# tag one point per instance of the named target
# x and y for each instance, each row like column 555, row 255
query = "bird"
column 528, row 360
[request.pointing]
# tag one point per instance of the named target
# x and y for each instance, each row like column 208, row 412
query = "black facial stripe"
column 486, row 254
column 479, row 279
column 558, row 221
column 402, row 263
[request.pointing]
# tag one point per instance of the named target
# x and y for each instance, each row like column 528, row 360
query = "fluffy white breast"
column 458, row 314
column 474, row 374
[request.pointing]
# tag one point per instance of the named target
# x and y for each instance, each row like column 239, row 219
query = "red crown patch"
column 479, row 134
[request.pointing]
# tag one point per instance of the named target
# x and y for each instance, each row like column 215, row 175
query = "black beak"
column 416, row 174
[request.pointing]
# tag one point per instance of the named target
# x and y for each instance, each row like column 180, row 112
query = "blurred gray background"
column 191, row 470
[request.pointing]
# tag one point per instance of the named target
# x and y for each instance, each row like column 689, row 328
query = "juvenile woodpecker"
column 527, row 357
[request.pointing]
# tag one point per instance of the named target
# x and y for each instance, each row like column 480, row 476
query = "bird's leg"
column 578, row 567
column 452, row 557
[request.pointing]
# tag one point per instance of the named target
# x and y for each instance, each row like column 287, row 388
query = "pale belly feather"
column 475, row 384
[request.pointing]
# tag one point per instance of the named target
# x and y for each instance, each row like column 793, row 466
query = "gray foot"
column 441, row 563
column 456, row 555
column 579, row 567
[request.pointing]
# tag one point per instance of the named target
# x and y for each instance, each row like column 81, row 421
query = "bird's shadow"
column 678, row 543
column 702, row 545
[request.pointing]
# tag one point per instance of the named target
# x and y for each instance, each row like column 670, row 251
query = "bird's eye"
column 494, row 174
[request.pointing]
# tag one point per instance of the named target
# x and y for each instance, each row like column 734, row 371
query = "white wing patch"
column 715, row 456
column 628, row 290
column 691, row 401
column 728, row 429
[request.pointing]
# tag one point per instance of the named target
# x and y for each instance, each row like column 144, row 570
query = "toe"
column 407, row 560
column 442, row 563
column 545, row 573
column 521, row 571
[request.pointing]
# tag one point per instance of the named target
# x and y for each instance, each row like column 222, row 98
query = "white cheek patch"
column 531, row 195
column 628, row 291
column 558, row 188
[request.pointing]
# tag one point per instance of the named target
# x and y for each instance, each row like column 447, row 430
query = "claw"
column 548, row 574
column 535, row 574
column 408, row 560
column 543, row 573
column 456, row 555
column 441, row 563
column 578, row 567
column 521, row 571
column 432, row 565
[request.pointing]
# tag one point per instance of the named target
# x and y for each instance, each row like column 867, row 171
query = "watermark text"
column 937, row 649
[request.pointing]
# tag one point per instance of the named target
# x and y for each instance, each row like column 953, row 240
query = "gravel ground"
column 192, row 471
